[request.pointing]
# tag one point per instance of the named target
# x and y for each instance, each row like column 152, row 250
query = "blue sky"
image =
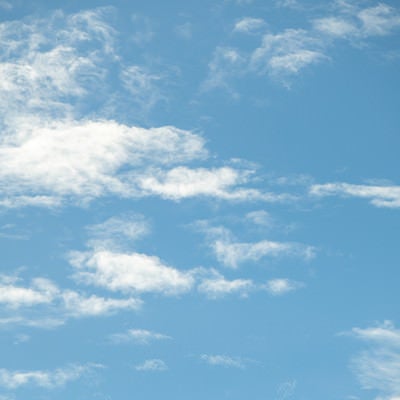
column 199, row 200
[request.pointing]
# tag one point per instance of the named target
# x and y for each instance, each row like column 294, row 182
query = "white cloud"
column 226, row 64
column 217, row 286
column 335, row 26
column 380, row 20
column 249, row 25
column 222, row 360
column 378, row 367
column 142, row 85
column 287, row 53
column 82, row 160
column 129, row 272
column 260, row 217
column 354, row 23
column 116, row 230
column 138, row 336
column 183, row 182
column 278, row 287
column 144, row 29
column 152, row 365
column 54, row 305
column 77, row 305
column 379, row 196
column 46, row 379
column 41, row 292
column 232, row 253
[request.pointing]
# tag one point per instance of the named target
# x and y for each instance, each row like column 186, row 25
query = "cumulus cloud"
column 152, row 365
column 129, row 272
column 43, row 304
column 378, row 367
column 138, row 336
column 42, row 378
column 379, row 196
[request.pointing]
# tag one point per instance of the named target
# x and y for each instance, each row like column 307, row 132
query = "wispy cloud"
column 138, row 336
column 287, row 53
column 153, row 365
column 45, row 379
column 378, row 367
column 278, row 287
column 379, row 196
column 249, row 25
column 223, row 360
column 115, row 231
column 217, row 286
column 232, row 253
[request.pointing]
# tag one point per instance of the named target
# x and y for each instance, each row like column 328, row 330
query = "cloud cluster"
column 284, row 54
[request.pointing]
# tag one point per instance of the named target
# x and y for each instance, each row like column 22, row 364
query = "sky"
column 199, row 200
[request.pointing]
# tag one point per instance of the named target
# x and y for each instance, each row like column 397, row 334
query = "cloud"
column 142, row 85
column 83, row 160
column 222, row 183
column 152, row 365
column 287, row 53
column 379, row 196
column 138, row 336
column 223, row 361
column 217, row 286
column 226, row 63
column 117, row 230
column 278, row 287
column 249, row 25
column 233, row 253
column 44, row 304
column 41, row 292
column 129, row 272
column 80, row 306
column 144, row 29
column 260, row 217
column 284, row 54
column 45, row 379
column 378, row 367
column 356, row 23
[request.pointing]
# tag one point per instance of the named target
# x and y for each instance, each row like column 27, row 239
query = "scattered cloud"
column 260, row 217
column 45, row 379
column 249, row 25
column 379, row 196
column 153, row 365
column 378, row 367
column 138, row 336
column 143, row 86
column 278, row 287
column 129, row 272
column 223, row 361
column 41, row 292
column 287, row 53
column 233, row 253
column 116, row 230
column 217, row 286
